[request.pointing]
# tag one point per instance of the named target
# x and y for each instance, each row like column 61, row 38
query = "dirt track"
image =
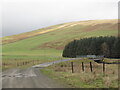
column 27, row 78
column 30, row 77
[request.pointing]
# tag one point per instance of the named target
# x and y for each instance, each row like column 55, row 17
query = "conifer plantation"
column 107, row 46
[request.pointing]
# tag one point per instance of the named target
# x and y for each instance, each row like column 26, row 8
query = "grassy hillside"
column 75, row 27
column 50, row 41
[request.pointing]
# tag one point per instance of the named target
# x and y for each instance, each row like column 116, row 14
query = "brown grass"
column 97, row 78
column 9, row 39
column 57, row 45
column 92, row 25
column 8, row 64
column 106, row 26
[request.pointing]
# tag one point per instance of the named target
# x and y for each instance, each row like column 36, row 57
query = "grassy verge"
column 22, row 62
column 87, row 79
column 29, row 58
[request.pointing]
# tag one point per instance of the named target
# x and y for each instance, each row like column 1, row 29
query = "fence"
column 83, row 67
column 19, row 63
column 78, row 66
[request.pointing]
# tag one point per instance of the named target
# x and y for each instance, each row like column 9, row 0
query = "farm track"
column 30, row 77
column 27, row 78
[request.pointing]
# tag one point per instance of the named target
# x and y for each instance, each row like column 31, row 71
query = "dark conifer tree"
column 107, row 46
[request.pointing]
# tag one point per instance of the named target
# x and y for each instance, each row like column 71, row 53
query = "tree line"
column 107, row 46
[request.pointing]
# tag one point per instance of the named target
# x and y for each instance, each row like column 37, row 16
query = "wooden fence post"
column 82, row 66
column 72, row 67
column 91, row 66
column 103, row 66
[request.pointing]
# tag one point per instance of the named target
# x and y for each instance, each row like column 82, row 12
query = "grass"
column 46, row 45
column 22, row 62
column 49, row 42
column 87, row 79
column 91, row 25
column 58, row 38
column 10, row 59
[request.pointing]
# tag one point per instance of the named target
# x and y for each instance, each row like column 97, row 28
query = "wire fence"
column 91, row 66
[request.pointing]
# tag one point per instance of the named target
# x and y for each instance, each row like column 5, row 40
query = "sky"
column 20, row 16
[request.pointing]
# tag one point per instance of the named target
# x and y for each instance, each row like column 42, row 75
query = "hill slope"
column 50, row 41
column 90, row 25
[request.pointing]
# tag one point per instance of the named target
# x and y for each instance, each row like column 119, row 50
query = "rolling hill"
column 50, row 41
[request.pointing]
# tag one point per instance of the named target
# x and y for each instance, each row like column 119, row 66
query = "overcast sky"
column 26, row 15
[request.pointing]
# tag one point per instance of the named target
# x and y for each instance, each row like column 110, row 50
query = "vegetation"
column 12, row 61
column 47, row 44
column 79, row 79
column 107, row 46
column 69, row 31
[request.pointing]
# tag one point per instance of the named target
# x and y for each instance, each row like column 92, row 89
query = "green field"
column 48, row 43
